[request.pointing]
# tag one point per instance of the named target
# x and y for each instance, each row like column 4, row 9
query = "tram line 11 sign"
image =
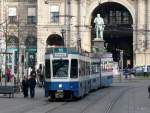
column 60, row 52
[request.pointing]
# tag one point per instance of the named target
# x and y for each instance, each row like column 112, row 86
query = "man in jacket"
column 32, row 84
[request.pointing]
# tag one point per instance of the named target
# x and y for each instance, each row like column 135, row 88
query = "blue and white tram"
column 107, row 69
column 69, row 74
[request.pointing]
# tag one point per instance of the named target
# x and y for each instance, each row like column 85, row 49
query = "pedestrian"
column 32, row 84
column 25, row 86
column 9, row 75
column 33, row 72
column 40, row 77
column 149, row 91
column 145, row 71
column 126, row 72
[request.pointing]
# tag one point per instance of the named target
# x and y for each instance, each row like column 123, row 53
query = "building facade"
column 18, row 28
column 126, row 18
column 70, row 22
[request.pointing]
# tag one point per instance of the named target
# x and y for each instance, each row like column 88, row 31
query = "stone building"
column 18, row 25
column 127, row 26
column 70, row 23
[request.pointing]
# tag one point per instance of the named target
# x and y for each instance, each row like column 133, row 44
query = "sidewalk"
column 39, row 93
column 19, row 104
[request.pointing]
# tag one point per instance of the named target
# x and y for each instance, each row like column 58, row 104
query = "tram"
column 69, row 74
column 107, row 64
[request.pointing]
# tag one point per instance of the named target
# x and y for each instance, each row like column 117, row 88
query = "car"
column 139, row 70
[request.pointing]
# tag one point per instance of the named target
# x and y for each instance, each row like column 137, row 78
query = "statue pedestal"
column 98, row 46
column 98, row 43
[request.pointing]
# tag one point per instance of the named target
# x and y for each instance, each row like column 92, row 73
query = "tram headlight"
column 60, row 85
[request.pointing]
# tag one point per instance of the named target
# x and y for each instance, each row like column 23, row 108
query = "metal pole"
column 18, row 47
column 6, row 51
column 121, row 54
column 78, row 26
column 69, row 22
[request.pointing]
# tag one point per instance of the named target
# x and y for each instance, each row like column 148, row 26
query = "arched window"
column 31, row 42
column 12, row 42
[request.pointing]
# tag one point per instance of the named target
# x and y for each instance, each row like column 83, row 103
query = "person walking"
column 33, row 72
column 32, row 84
column 149, row 91
column 9, row 75
column 25, row 86
column 126, row 72
column 145, row 71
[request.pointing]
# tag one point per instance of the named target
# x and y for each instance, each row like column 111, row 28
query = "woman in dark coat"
column 32, row 84
column 25, row 86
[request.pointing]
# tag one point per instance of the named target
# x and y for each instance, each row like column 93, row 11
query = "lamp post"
column 63, row 31
column 121, row 59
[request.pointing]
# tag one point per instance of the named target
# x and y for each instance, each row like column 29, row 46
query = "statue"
column 99, row 25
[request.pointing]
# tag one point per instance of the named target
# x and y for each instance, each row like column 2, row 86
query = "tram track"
column 110, row 106
column 108, row 98
column 53, row 109
column 84, row 109
column 114, row 101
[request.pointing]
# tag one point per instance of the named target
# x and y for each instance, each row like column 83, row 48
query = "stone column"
column 85, row 32
column 141, row 12
column 148, row 24
column 41, row 44
column 147, row 52
column 141, row 24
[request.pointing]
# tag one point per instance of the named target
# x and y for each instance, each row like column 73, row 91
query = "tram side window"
column 81, row 69
column 47, row 69
column 74, row 68
column 87, row 72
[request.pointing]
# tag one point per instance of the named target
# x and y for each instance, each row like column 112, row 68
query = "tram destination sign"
column 60, row 52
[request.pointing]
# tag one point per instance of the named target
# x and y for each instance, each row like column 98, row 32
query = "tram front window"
column 60, row 68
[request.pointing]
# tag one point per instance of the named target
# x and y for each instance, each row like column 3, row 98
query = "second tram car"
column 69, row 74
column 106, row 69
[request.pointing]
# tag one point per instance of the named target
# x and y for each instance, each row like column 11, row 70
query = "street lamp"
column 63, row 31
column 22, row 48
column 121, row 59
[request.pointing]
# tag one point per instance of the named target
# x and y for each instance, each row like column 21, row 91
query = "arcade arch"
column 31, row 50
column 118, row 33
column 12, row 41
column 31, row 41
column 55, row 40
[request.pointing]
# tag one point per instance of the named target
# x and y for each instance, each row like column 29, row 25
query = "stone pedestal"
column 98, row 47
column 98, row 43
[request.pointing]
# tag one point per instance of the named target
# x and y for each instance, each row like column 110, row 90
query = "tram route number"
column 60, row 54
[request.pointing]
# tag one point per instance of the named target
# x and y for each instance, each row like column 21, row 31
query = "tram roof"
column 68, row 50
